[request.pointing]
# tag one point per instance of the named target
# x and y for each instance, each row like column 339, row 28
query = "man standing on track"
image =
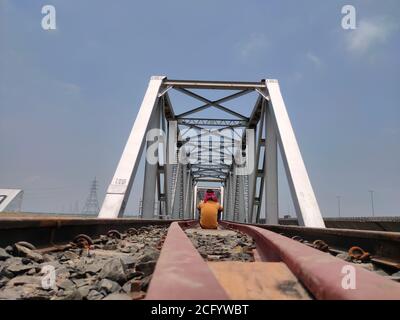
column 209, row 210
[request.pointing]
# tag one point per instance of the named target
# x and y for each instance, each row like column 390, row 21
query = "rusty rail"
column 181, row 273
column 380, row 244
column 320, row 272
column 49, row 231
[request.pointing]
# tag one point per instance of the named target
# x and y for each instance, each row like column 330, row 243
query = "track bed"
column 113, row 266
column 159, row 259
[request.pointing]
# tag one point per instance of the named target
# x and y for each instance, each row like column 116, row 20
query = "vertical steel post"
column 241, row 215
column 271, row 170
column 150, row 173
column 253, row 213
column 194, row 202
column 191, row 196
column 226, row 197
column 252, row 183
column 188, row 191
column 176, row 195
column 233, row 195
column 167, row 165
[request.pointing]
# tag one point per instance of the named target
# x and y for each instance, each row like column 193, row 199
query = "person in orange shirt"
column 209, row 210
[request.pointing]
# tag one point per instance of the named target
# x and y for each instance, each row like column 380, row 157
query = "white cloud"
column 369, row 34
column 296, row 76
column 254, row 45
column 314, row 59
column 70, row 88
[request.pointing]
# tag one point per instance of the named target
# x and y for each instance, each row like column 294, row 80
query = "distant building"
column 11, row 200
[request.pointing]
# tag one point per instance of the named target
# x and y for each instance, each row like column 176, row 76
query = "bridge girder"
column 171, row 183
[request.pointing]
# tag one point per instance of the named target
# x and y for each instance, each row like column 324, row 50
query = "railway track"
column 237, row 262
column 113, row 266
column 383, row 247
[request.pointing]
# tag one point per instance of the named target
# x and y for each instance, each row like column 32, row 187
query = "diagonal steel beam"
column 215, row 103
column 119, row 189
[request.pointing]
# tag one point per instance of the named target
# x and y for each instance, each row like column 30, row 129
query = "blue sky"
column 68, row 98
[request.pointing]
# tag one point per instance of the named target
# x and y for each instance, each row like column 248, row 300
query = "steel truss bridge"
column 238, row 152
column 235, row 154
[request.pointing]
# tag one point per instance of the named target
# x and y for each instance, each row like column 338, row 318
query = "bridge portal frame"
column 268, row 114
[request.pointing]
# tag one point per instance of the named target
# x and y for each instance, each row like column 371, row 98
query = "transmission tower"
column 92, row 205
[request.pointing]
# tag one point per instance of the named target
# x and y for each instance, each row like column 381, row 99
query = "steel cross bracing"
column 237, row 152
column 212, row 122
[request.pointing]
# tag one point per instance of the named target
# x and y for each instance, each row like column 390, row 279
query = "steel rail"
column 181, row 273
column 42, row 231
column 391, row 224
column 379, row 244
column 319, row 271
column 48, row 231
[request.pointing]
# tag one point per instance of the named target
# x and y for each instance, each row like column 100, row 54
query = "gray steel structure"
column 193, row 150
column 92, row 205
